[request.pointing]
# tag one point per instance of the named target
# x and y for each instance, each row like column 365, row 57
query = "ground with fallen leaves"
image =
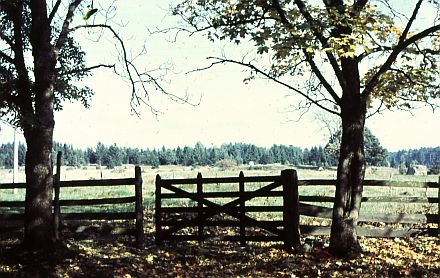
column 97, row 256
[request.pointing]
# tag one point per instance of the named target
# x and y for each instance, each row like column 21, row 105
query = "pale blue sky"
column 229, row 111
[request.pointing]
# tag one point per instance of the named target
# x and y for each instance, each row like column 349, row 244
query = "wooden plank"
column 227, row 208
column 261, row 238
column 222, row 180
column 401, row 218
column 315, row 182
column 139, row 209
column 98, row 216
column 11, row 204
column 233, row 194
column 370, row 231
column 101, row 201
column 104, row 182
column 12, row 185
column 412, row 184
column 246, row 209
column 225, row 223
column 11, row 216
column 242, row 210
column 376, row 199
column 315, row 211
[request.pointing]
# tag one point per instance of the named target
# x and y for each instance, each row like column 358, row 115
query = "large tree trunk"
column 38, row 131
column 39, row 233
column 350, row 177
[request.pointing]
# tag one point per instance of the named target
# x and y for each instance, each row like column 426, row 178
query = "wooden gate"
column 193, row 209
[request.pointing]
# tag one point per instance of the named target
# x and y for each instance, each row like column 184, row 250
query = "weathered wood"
column 215, row 208
column 265, row 238
column 401, row 218
column 101, row 201
column 289, row 180
column 139, row 209
column 99, row 216
column 12, row 185
column 226, row 223
column 370, row 231
column 376, row 199
column 200, row 205
column 227, row 194
column 221, row 180
column 246, row 209
column 104, row 182
column 56, row 201
column 157, row 209
column 438, row 212
column 242, row 210
column 411, row 184
column 11, row 204
column 11, row 216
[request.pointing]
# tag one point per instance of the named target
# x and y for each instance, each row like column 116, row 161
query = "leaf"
column 90, row 13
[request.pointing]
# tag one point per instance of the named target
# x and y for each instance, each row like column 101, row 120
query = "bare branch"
column 321, row 78
column 268, row 76
column 68, row 19
column 75, row 71
column 6, row 57
column 54, row 10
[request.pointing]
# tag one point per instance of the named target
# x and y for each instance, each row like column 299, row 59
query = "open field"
column 172, row 171
column 104, row 255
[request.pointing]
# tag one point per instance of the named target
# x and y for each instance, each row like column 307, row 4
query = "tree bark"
column 38, row 131
column 349, row 185
column 351, row 166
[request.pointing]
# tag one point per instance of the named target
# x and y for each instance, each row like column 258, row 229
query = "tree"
column 375, row 154
column 40, row 66
column 339, row 56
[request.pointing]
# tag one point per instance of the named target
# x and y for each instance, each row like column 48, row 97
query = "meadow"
column 172, row 171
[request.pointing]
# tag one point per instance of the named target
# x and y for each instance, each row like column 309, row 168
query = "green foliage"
column 297, row 34
column 375, row 154
column 17, row 84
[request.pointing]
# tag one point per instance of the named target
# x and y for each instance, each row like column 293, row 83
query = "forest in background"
column 237, row 153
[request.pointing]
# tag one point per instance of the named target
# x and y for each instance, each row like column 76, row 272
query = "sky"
column 227, row 110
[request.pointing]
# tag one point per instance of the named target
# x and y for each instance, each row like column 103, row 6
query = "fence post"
column 139, row 207
column 438, row 212
column 289, row 180
column 242, row 210
column 56, row 201
column 157, row 208
column 200, row 205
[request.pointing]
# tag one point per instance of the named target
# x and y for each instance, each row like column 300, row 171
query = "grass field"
column 172, row 171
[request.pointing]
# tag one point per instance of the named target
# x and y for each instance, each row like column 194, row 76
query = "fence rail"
column 208, row 213
column 371, row 224
column 58, row 202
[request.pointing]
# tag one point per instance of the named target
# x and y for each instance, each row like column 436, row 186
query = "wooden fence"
column 175, row 222
column 208, row 213
column 394, row 224
column 106, row 184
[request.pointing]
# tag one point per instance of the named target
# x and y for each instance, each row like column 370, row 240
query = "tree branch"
column 393, row 56
column 324, row 42
column 65, row 28
column 321, row 78
column 7, row 58
column 54, row 10
column 257, row 70
column 75, row 71
column 124, row 51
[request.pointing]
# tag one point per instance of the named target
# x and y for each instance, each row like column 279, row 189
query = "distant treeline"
column 240, row 153
column 425, row 156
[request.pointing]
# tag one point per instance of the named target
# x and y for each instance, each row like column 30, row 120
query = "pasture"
column 115, row 256
column 93, row 172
